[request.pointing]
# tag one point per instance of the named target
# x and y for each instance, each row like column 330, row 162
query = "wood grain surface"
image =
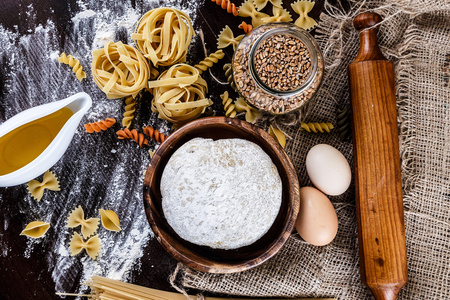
column 97, row 171
column 379, row 204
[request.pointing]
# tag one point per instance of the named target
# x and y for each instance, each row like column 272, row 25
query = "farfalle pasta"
column 49, row 182
column 251, row 114
column 120, row 70
column 77, row 244
column 35, row 229
column 279, row 15
column 247, row 9
column 179, row 94
column 110, row 220
column 163, row 35
column 260, row 4
column 74, row 63
column 88, row 226
column 226, row 38
column 303, row 7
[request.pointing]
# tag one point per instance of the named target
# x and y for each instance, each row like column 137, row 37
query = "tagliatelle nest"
column 179, row 94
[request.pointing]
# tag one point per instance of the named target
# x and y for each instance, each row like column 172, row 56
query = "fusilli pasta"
column 226, row 38
column 100, row 125
column 303, row 7
column 317, row 127
column 154, row 134
column 74, row 63
column 163, row 35
column 133, row 135
column 229, row 74
column 209, row 61
column 228, row 105
column 35, row 229
column 228, row 5
column 49, row 182
column 343, row 123
column 246, row 27
column 77, row 244
column 120, row 70
column 128, row 114
column 179, row 94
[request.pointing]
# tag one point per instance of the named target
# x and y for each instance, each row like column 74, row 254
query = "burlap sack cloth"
column 416, row 36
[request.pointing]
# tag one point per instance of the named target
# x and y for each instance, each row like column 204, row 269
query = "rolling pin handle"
column 369, row 50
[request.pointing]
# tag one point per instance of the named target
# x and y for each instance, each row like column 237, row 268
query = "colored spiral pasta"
column 100, row 125
column 317, row 127
column 229, row 74
column 133, row 135
column 74, row 63
column 228, row 105
column 228, row 5
column 128, row 114
column 343, row 123
column 154, row 134
column 209, row 61
column 246, row 27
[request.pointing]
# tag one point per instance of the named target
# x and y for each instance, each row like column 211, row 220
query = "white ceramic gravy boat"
column 78, row 104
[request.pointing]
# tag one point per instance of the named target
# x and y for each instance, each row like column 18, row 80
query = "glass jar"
column 277, row 68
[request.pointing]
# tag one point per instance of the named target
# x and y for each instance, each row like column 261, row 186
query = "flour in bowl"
column 224, row 194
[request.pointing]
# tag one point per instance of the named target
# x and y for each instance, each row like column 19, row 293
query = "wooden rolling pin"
column 379, row 202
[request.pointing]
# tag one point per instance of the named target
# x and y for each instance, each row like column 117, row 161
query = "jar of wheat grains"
column 278, row 68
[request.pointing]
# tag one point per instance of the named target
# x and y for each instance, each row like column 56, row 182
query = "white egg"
column 328, row 169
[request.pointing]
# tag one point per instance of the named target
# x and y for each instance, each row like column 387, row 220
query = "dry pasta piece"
column 132, row 134
column 77, row 244
column 317, row 127
column 277, row 135
column 229, row 74
column 35, row 229
column 279, row 15
column 228, row 105
column 128, row 115
column 247, row 9
column 246, row 27
column 163, row 35
column 228, row 5
column 226, row 38
column 49, row 182
column 100, row 125
column 76, row 218
column 120, row 70
column 209, row 61
column 154, row 134
column 343, row 123
column 74, row 63
column 110, row 220
column 303, row 7
column 179, row 94
column 260, row 4
column 251, row 114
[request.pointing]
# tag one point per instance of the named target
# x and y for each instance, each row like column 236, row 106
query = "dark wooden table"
column 24, row 84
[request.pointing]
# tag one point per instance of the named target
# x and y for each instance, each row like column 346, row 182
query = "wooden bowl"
column 204, row 258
